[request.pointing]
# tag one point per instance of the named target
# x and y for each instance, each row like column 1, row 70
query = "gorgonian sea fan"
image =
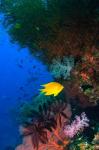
column 76, row 126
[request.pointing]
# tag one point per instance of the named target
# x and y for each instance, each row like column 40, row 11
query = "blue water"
column 20, row 78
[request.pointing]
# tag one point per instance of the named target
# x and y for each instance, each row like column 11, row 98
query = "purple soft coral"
column 77, row 125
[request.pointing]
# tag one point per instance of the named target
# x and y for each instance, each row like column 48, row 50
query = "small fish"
column 20, row 66
column 52, row 88
column 21, row 88
column 21, row 61
column 34, row 67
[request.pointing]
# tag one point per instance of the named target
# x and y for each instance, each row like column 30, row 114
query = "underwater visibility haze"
column 20, row 76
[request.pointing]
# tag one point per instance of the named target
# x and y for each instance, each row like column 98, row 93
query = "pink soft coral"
column 77, row 125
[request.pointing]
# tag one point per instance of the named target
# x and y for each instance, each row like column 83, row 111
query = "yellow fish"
column 52, row 88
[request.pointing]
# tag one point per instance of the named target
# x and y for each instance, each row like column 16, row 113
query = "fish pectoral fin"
column 55, row 94
column 47, row 93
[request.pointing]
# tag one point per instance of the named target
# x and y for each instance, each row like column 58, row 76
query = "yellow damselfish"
column 52, row 88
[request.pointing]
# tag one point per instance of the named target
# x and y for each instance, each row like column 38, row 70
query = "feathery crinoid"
column 47, row 117
column 47, row 129
column 56, row 138
column 37, row 132
column 62, row 111
column 38, row 128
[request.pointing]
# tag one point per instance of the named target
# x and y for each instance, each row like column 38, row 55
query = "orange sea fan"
column 56, row 141
column 56, row 138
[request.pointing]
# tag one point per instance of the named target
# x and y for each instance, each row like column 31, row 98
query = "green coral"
column 30, row 110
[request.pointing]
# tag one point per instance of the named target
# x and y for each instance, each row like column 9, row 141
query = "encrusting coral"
column 84, row 83
column 85, row 76
column 96, row 141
